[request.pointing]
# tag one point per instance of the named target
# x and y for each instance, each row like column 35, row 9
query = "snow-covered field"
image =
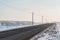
column 52, row 33
column 4, row 28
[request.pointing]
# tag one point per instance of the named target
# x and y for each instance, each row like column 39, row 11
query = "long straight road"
column 23, row 33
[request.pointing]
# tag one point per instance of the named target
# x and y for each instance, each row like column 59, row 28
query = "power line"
column 9, row 6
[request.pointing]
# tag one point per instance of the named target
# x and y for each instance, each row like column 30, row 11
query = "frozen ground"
column 4, row 28
column 52, row 33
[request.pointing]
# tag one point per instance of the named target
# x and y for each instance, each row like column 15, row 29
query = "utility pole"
column 32, row 18
column 42, row 19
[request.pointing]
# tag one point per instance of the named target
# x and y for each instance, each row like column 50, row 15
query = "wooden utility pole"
column 32, row 18
column 42, row 19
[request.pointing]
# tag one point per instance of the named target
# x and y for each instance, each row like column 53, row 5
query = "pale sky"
column 21, row 10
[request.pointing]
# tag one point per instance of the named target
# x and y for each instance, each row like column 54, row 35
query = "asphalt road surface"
column 23, row 33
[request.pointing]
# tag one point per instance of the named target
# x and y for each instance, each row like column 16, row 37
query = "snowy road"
column 52, row 33
column 23, row 33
